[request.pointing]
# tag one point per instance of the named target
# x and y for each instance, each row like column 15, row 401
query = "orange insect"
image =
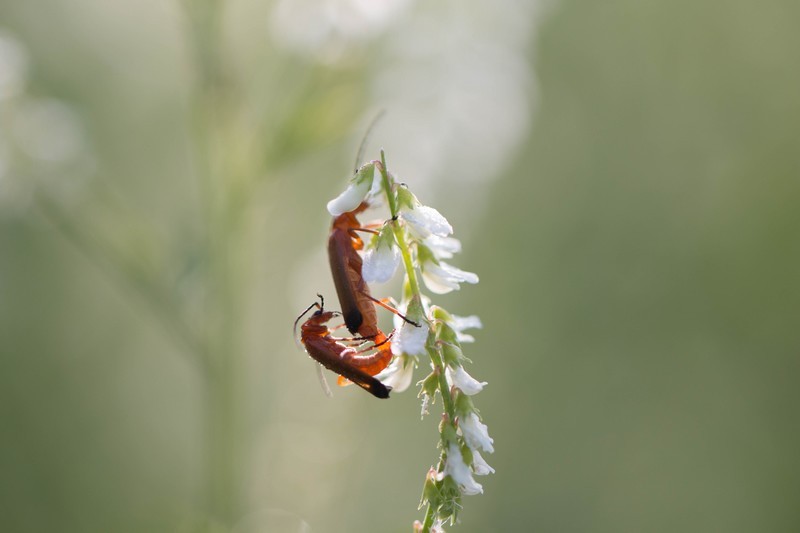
column 345, row 360
column 358, row 306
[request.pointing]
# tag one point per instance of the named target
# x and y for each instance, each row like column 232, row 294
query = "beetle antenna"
column 364, row 139
column 309, row 308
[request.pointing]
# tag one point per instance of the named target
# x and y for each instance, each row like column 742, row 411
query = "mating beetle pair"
column 355, row 364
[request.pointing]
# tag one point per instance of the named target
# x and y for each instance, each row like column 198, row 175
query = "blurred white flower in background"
column 455, row 79
column 42, row 139
column 326, row 28
column 48, row 130
column 13, row 66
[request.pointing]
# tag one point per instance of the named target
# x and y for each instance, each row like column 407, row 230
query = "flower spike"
column 420, row 238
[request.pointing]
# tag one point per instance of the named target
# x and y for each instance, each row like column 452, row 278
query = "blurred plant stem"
column 222, row 180
column 134, row 279
column 225, row 176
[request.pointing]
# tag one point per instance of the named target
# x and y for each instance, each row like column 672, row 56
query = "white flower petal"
column 355, row 192
column 460, row 323
column 443, row 247
column 479, row 465
column 475, row 433
column 411, row 339
column 464, row 337
column 398, row 375
column 437, row 279
column 459, row 377
column 380, row 264
column 349, row 199
column 425, row 221
column 443, row 278
column 460, row 472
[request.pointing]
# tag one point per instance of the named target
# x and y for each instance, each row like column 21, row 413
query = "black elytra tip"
column 380, row 391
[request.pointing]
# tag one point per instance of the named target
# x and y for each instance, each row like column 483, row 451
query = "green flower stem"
column 387, row 186
column 399, row 236
column 444, row 389
column 434, row 353
column 430, row 514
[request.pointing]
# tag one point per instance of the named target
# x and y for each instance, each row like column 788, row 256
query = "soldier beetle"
column 347, row 361
column 358, row 305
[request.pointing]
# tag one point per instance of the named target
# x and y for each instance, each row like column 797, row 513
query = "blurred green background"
column 624, row 178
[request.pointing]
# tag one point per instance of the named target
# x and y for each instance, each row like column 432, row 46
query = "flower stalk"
column 399, row 235
column 421, row 235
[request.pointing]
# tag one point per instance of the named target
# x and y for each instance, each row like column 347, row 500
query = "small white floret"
column 398, row 375
column 443, row 247
column 380, row 264
column 460, row 323
column 460, row 472
column 475, row 433
column 356, row 191
column 424, row 221
column 411, row 339
column 461, row 379
column 443, row 278
column 479, row 465
column 351, row 198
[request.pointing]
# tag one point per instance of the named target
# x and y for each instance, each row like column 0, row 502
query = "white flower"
column 479, row 465
column 381, row 261
column 349, row 199
column 411, row 339
column 459, row 377
column 355, row 193
column 398, row 374
column 443, row 247
column 460, row 472
column 460, row 323
column 475, row 433
column 442, row 278
column 424, row 221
